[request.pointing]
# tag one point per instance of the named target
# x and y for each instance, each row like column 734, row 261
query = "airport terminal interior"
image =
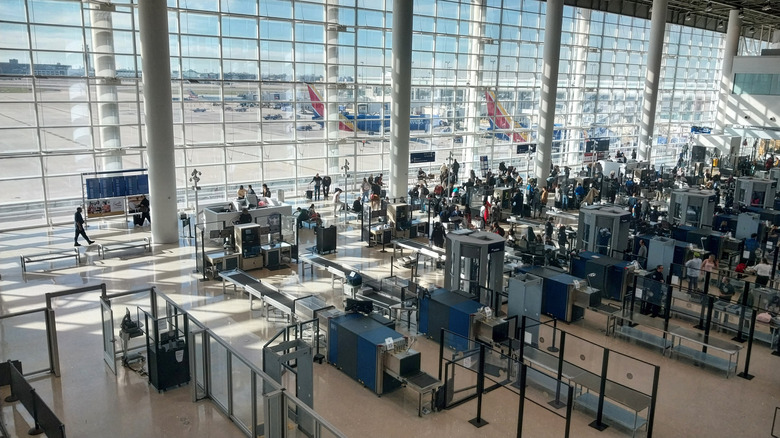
column 349, row 218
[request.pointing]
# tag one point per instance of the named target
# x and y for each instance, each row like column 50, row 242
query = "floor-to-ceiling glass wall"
column 254, row 82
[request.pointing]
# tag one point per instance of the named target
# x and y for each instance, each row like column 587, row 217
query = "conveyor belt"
column 308, row 307
column 334, row 268
column 238, row 277
column 279, row 301
column 268, row 294
column 379, row 298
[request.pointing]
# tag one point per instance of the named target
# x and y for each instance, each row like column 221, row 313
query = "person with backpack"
column 326, row 181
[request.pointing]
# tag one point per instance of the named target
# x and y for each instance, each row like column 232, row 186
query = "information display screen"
column 115, row 186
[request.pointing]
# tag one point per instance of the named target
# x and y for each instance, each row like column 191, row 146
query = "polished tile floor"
column 93, row 402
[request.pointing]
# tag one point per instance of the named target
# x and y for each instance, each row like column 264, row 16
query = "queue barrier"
column 44, row 419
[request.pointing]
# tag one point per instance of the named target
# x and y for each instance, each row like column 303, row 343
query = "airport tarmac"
column 229, row 143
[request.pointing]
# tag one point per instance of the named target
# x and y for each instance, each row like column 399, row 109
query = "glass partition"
column 241, row 393
column 459, row 369
column 218, row 380
column 19, row 332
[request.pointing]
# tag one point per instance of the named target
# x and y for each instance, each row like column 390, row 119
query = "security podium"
column 691, row 206
column 167, row 349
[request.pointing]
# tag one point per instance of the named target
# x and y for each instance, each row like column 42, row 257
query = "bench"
column 45, row 257
column 612, row 412
column 705, row 358
column 119, row 246
column 545, row 382
column 644, row 337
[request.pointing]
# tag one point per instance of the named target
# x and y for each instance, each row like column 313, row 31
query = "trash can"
column 280, row 195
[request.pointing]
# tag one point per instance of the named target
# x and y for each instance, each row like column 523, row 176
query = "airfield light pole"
column 194, row 179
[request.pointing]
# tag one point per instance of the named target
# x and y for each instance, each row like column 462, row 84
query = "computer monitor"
column 275, row 223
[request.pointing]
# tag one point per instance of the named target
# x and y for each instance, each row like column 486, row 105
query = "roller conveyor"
column 336, row 269
column 426, row 250
column 266, row 293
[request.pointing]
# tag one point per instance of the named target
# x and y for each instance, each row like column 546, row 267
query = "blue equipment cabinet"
column 355, row 345
column 559, row 298
column 451, row 310
column 612, row 275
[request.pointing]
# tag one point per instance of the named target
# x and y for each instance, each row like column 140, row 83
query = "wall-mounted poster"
column 106, row 207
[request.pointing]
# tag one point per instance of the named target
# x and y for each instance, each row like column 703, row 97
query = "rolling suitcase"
column 309, row 194
column 138, row 220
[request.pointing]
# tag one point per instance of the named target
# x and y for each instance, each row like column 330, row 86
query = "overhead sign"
column 422, row 157
column 115, row 186
column 525, row 148
column 701, row 130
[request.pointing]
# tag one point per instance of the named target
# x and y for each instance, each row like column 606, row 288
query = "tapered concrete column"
column 652, row 79
column 401, row 96
column 158, row 112
column 475, row 80
column 552, row 51
column 105, row 77
column 726, row 79
column 332, row 92
column 577, row 85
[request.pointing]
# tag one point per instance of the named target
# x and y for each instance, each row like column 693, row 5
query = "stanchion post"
column 745, row 374
column 479, row 421
column 742, row 301
column 521, row 407
column 557, row 403
column 598, row 424
column 552, row 348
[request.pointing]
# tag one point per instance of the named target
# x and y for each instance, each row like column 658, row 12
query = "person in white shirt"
column 763, row 271
column 337, row 204
column 693, row 268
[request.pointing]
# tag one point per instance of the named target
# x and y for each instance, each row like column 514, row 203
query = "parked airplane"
column 362, row 121
column 246, row 99
column 499, row 119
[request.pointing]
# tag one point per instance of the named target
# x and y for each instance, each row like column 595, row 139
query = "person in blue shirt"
column 752, row 245
column 579, row 193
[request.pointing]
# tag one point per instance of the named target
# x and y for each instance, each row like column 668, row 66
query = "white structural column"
column 652, row 79
column 403, row 12
column 577, row 85
column 332, row 92
column 726, row 80
column 153, row 26
column 775, row 40
column 552, row 51
column 105, row 76
column 475, row 79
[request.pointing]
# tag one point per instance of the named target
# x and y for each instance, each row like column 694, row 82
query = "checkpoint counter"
column 215, row 215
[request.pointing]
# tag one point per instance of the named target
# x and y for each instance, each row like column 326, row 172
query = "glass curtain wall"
column 253, row 83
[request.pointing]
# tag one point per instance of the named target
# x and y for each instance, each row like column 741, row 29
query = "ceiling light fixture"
column 720, row 24
column 709, row 7
column 752, row 29
column 688, row 16
column 767, row 6
column 741, row 13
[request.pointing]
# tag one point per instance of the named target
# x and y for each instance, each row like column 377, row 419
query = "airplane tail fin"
column 317, row 105
column 192, row 94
